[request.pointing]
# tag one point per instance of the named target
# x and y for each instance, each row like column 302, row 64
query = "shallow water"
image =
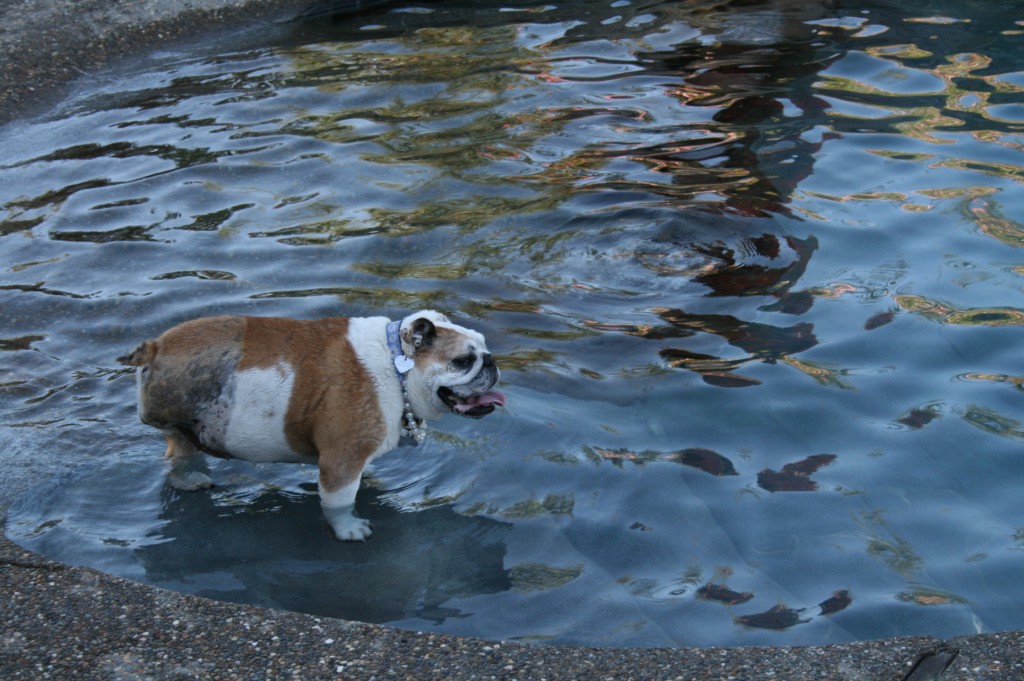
column 753, row 276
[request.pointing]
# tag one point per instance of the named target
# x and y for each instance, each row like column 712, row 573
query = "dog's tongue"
column 482, row 400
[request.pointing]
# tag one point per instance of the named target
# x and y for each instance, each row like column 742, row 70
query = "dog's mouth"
column 473, row 406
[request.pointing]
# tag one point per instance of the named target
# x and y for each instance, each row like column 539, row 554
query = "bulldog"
column 336, row 392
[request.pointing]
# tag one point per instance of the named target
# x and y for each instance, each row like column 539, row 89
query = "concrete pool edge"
column 47, row 44
column 62, row 621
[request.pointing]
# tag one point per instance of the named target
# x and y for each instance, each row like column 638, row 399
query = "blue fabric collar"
column 394, row 342
column 398, row 358
column 412, row 428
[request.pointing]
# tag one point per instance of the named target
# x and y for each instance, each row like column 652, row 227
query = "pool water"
column 753, row 274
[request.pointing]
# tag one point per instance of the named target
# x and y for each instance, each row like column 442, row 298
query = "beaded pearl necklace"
column 412, row 427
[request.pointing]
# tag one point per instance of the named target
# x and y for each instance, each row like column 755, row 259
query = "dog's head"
column 453, row 371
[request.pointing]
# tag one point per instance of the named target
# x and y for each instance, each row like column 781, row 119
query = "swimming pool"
column 752, row 275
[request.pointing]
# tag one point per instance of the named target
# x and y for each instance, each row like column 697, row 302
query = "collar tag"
column 403, row 364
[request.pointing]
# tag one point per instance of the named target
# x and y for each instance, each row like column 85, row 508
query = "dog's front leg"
column 337, row 499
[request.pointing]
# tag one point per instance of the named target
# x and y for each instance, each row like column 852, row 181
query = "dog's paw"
column 352, row 529
column 189, row 481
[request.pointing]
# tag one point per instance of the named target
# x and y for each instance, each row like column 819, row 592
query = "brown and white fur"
column 323, row 391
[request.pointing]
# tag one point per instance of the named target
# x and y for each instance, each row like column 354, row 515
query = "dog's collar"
column 401, row 363
column 412, row 427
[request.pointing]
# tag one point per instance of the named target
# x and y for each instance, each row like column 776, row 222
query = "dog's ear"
column 422, row 333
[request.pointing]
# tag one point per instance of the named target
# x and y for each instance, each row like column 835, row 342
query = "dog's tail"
column 140, row 356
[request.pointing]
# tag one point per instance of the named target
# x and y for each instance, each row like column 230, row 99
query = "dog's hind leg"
column 189, row 471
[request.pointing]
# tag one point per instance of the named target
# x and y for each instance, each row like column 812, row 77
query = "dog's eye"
column 464, row 362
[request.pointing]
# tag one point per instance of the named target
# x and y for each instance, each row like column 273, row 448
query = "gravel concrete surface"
column 44, row 44
column 61, row 622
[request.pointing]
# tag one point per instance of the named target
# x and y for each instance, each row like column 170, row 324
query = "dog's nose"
column 488, row 360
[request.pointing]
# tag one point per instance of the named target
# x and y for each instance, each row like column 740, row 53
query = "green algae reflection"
column 540, row 576
column 946, row 313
